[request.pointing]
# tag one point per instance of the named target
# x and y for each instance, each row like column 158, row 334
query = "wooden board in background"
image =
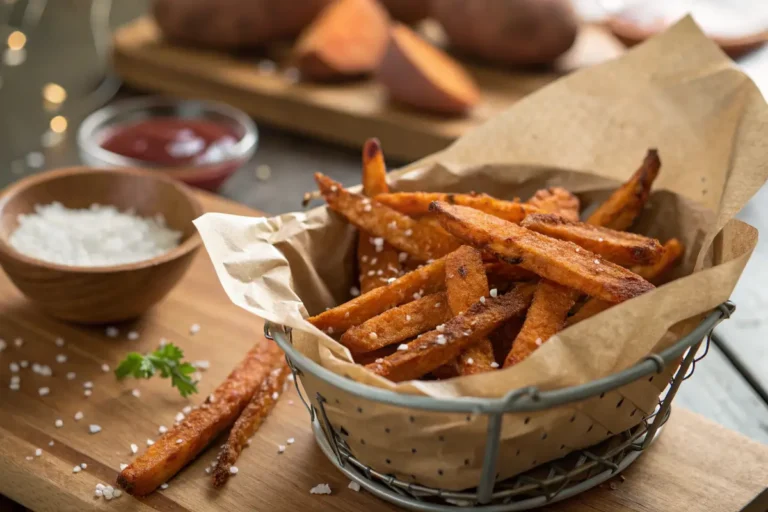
column 345, row 113
column 695, row 465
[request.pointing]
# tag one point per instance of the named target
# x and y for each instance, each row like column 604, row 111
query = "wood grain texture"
column 696, row 465
column 343, row 113
column 102, row 294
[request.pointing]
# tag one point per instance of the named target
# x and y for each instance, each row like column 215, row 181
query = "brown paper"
column 586, row 132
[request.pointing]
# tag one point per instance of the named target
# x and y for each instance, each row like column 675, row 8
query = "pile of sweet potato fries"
column 452, row 284
column 446, row 278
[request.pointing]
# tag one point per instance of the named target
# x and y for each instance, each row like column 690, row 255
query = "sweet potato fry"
column 250, row 420
column 377, row 263
column 417, row 203
column 425, row 280
column 619, row 247
column 435, row 348
column 398, row 324
column 545, row 317
column 562, row 262
column 183, row 442
column 621, row 209
column 557, row 200
column 465, row 283
column 384, row 223
column 655, row 273
column 671, row 253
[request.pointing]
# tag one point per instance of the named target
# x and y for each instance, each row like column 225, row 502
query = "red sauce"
column 171, row 141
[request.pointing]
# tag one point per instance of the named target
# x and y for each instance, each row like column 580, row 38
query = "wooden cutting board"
column 695, row 465
column 345, row 113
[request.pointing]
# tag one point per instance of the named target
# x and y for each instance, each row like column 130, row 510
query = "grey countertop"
column 61, row 49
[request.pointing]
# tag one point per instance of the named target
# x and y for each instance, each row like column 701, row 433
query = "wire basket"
column 555, row 480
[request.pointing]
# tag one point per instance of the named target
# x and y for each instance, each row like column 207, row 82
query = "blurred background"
column 63, row 60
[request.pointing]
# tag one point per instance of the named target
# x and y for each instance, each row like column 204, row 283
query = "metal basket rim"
column 526, row 399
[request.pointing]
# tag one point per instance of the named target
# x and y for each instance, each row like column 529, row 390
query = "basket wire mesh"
column 547, row 483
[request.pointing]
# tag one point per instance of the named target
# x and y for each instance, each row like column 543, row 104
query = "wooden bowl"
column 95, row 295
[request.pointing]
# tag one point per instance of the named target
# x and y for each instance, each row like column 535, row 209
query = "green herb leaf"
column 166, row 360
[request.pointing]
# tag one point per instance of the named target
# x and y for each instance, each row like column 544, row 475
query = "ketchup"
column 171, row 141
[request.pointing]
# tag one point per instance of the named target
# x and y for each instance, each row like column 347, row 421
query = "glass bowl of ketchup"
column 198, row 142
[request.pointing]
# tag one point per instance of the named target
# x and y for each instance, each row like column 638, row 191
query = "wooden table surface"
column 60, row 48
column 695, row 465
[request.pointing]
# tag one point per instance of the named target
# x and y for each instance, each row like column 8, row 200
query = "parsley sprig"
column 167, row 361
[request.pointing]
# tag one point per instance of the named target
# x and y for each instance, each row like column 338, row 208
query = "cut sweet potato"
column 465, row 283
column 347, row 39
column 417, row 203
column 377, row 263
column 621, row 209
column 398, row 324
column 435, row 348
column 655, row 273
column 425, row 280
column 545, row 317
column 562, row 262
column 619, row 247
column 557, row 200
column 416, row 238
column 418, row 74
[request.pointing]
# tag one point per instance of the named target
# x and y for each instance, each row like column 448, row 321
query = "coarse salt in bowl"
column 97, row 274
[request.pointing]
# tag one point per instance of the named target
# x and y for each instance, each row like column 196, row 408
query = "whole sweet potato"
column 228, row 24
column 407, row 11
column 510, row 32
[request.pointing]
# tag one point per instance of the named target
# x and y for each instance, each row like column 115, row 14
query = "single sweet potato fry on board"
column 417, row 203
column 562, row 262
column 250, row 420
column 465, row 283
column 398, row 324
column 377, row 263
column 435, row 348
column 425, row 280
column 619, row 247
column 655, row 273
column 556, row 200
column 185, row 441
column 621, row 209
column 385, row 224
column 545, row 317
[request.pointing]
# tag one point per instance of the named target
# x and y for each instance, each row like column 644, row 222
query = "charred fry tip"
column 371, row 149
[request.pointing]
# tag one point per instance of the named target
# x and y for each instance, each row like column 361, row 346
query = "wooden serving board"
column 695, row 465
column 346, row 113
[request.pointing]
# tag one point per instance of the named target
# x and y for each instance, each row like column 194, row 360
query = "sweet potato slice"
column 562, row 262
column 621, row 209
column 435, row 348
column 377, row 263
column 545, row 317
column 385, row 224
column 417, row 203
column 655, row 273
column 347, row 39
column 250, row 420
column 465, row 283
column 619, row 247
column 557, row 200
column 398, row 324
column 420, row 75
column 183, row 442
column 425, row 280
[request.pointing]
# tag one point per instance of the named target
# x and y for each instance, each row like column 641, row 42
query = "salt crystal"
column 402, row 257
column 83, row 466
column 321, row 489
column 179, row 417
column 61, row 358
column 233, row 470
column 25, row 363
column 482, row 299
column 407, row 318
column 354, row 486
column 58, row 423
column 59, row 342
column 18, row 342
column 38, row 452
column 44, row 391
column 280, row 448
column 71, row 375
column 133, row 335
column 291, row 440
column 494, row 292
column 179, row 441
column 136, row 393
column 78, row 415
column 91, row 237
column 117, row 493
column 14, row 367
column 111, row 332
column 15, row 379
column 134, row 449
column 51, row 443
column 494, row 364
column 201, row 365
column 29, row 457
column 94, row 429
column 373, row 335
column 194, row 328
column 275, row 395
column 441, row 339
column 162, row 429
column 105, row 367
column 87, row 384
column 87, row 392
column 186, row 410
column 354, row 291
column 470, row 360
column 440, row 328
column 77, row 469
column 597, row 262
column 123, row 466
column 538, row 342
column 402, row 346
